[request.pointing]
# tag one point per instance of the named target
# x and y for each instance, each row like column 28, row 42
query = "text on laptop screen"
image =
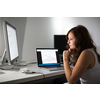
column 47, row 57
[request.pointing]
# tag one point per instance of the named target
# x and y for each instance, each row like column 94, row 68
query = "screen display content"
column 47, row 57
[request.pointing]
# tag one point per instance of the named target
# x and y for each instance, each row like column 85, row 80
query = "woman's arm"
column 82, row 64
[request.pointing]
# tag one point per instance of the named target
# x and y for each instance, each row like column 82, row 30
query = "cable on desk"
column 43, row 76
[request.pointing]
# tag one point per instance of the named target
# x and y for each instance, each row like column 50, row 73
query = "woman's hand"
column 67, row 54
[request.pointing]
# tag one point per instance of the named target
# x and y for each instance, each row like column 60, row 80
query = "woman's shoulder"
column 90, row 50
column 87, row 53
column 88, row 56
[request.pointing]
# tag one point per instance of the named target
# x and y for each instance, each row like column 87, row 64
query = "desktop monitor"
column 60, row 43
column 11, row 45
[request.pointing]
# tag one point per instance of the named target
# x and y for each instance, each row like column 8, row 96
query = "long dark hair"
column 83, row 41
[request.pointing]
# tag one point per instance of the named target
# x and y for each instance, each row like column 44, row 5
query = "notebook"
column 48, row 58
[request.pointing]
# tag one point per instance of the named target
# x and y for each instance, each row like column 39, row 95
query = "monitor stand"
column 2, row 66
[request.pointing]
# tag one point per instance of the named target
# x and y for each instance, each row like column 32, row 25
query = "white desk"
column 13, row 76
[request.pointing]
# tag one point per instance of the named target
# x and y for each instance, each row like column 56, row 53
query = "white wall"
column 36, row 32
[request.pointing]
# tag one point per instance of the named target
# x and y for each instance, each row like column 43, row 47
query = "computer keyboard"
column 56, row 68
column 9, row 67
column 6, row 67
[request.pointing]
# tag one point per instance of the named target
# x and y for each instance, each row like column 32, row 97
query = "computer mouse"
column 28, row 71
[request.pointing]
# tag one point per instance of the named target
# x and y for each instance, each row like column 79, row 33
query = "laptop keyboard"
column 54, row 68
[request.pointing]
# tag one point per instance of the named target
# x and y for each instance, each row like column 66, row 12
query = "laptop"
column 48, row 58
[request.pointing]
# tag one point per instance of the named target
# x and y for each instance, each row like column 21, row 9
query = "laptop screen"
column 47, row 57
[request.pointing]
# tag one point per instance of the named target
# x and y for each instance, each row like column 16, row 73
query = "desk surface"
column 16, row 76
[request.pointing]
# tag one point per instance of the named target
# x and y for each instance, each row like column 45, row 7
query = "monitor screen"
column 60, row 43
column 11, row 46
column 47, row 57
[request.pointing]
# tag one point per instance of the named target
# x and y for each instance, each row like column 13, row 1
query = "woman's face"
column 71, row 41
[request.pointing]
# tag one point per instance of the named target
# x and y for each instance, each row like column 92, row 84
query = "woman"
column 85, row 59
